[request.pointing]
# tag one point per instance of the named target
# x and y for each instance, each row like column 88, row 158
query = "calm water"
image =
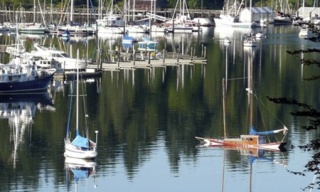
column 147, row 120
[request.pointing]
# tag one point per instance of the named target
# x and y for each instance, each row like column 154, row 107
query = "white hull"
column 76, row 152
column 157, row 29
column 75, row 163
column 70, row 63
column 305, row 33
column 180, row 29
column 202, row 21
column 110, row 30
column 228, row 23
column 59, row 59
column 269, row 146
column 136, row 29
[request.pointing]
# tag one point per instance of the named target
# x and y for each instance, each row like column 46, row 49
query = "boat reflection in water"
column 20, row 111
column 81, row 170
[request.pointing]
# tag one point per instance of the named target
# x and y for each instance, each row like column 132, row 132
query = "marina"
column 129, row 101
column 134, row 100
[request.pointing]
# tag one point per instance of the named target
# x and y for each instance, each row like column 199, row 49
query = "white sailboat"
column 76, row 29
column 34, row 28
column 80, row 147
column 181, row 22
column 230, row 16
column 110, row 23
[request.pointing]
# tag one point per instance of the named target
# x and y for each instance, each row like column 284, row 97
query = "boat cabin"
column 252, row 139
column 147, row 45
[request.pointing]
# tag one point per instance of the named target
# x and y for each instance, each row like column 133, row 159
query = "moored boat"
column 58, row 58
column 80, row 147
column 16, row 78
column 255, row 140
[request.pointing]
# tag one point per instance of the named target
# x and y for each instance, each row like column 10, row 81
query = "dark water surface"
column 148, row 119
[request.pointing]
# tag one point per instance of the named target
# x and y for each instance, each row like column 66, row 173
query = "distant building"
column 256, row 14
column 308, row 13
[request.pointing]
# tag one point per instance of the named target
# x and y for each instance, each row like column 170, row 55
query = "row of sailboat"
column 114, row 21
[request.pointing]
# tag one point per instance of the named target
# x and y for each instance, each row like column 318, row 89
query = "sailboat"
column 182, row 22
column 254, row 140
column 80, row 147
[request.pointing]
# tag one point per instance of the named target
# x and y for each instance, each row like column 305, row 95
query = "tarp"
column 80, row 141
column 126, row 37
column 254, row 132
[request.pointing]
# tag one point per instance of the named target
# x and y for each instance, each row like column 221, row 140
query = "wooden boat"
column 80, row 147
column 253, row 140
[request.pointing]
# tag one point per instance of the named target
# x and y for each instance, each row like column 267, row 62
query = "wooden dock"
column 132, row 59
column 96, row 70
column 119, row 65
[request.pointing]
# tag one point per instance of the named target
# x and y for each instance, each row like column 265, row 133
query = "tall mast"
column 71, row 11
column 34, row 11
column 77, row 95
column 224, row 107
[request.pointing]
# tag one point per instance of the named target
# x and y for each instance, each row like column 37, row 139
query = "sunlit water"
column 147, row 120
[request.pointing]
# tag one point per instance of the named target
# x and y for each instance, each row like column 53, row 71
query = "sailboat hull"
column 241, row 143
column 79, row 153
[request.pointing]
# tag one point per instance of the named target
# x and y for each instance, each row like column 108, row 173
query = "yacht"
column 59, row 59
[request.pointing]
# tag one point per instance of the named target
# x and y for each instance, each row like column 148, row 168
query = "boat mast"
column 71, row 11
column 250, row 84
column 34, row 11
column 77, row 96
column 224, row 107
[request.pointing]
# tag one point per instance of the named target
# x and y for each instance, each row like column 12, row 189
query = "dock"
column 129, row 60
column 95, row 70
column 116, row 66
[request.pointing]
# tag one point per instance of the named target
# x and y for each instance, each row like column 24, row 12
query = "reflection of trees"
column 306, row 109
column 134, row 116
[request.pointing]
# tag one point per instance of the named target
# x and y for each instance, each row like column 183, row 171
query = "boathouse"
column 255, row 14
column 308, row 13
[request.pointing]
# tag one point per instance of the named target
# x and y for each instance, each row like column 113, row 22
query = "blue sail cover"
column 80, row 141
column 254, row 132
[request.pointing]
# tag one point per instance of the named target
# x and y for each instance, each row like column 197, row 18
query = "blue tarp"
column 254, row 132
column 80, row 141
column 129, row 38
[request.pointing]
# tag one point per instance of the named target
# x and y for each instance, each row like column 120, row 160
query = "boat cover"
column 254, row 132
column 80, row 141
